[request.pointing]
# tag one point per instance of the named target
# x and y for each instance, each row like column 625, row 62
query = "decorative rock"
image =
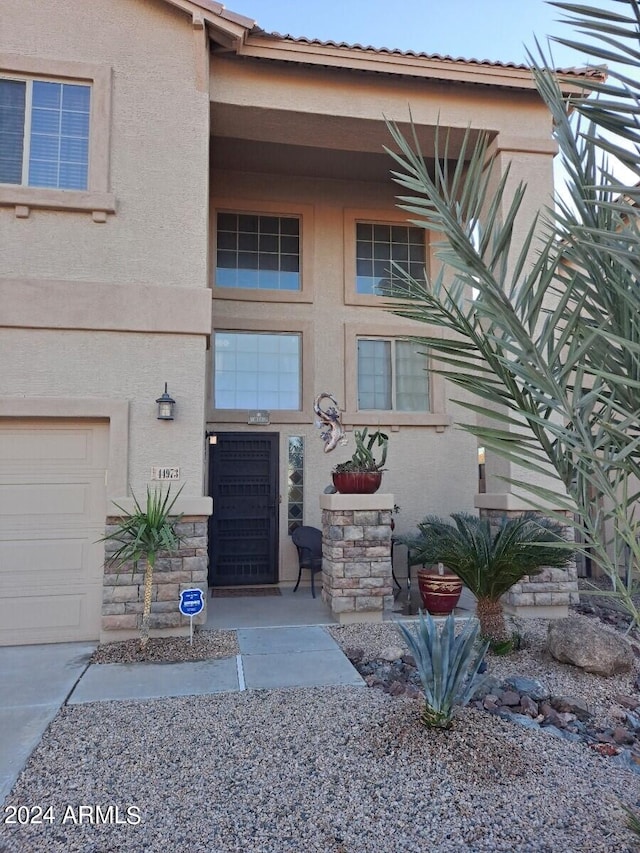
column 529, row 707
column 520, row 719
column 355, row 654
column 622, row 736
column 391, row 654
column 562, row 733
column 409, row 660
column 510, row 698
column 552, row 717
column 490, row 703
column 628, row 760
column 490, row 685
column 585, row 644
column 571, row 705
column 627, row 701
column 531, row 686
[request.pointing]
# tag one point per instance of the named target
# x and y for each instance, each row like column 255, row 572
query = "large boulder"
column 584, row 643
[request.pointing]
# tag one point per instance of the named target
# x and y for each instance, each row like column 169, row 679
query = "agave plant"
column 143, row 533
column 548, row 352
column 447, row 665
column 488, row 563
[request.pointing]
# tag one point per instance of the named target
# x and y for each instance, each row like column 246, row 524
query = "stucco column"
column 356, row 556
column 550, row 593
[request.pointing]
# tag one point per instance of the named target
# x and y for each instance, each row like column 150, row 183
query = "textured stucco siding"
column 133, row 367
column 158, row 153
column 428, row 471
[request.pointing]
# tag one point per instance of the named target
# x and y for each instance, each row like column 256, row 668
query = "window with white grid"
column 381, row 250
column 257, row 370
column 260, row 252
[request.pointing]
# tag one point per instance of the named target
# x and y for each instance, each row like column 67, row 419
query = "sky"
column 497, row 30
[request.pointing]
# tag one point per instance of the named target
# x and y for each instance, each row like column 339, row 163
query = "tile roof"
column 589, row 71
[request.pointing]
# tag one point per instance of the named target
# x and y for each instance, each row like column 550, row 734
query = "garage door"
column 52, row 512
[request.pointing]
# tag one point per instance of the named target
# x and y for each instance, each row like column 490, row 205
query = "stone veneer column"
column 546, row 595
column 123, row 592
column 356, row 556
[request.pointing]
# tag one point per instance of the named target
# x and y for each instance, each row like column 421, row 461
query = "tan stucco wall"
column 62, row 272
column 119, row 366
column 159, row 143
column 428, row 471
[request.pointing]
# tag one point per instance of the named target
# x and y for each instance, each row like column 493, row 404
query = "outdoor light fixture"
column 165, row 406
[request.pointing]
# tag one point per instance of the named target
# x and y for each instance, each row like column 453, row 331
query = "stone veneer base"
column 356, row 556
column 543, row 596
column 123, row 589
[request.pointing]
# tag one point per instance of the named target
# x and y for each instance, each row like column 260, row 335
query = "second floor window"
column 380, row 249
column 258, row 252
column 44, row 133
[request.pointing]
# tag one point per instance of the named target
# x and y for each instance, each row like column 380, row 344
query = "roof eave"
column 265, row 46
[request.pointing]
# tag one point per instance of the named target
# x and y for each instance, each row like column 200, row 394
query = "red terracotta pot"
column 357, row 482
column 439, row 593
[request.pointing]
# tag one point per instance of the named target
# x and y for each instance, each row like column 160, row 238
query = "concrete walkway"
column 34, row 682
column 37, row 680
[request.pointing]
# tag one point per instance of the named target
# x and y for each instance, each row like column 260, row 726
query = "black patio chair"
column 308, row 541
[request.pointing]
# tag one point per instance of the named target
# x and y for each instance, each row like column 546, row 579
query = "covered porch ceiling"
column 319, row 146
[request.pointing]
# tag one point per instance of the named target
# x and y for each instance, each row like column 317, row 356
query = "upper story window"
column 260, row 252
column 44, row 133
column 257, row 370
column 392, row 376
column 379, row 247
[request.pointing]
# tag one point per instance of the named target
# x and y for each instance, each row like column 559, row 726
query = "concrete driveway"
column 34, row 682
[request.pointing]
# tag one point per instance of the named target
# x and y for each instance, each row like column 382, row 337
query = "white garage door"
column 52, row 512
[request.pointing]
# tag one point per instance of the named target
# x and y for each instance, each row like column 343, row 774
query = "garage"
column 52, row 514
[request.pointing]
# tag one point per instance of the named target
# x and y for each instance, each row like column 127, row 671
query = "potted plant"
column 362, row 474
column 489, row 563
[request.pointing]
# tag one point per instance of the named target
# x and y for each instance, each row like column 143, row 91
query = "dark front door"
column 243, row 481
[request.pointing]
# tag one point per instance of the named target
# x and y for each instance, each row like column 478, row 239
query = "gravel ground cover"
column 532, row 660
column 336, row 770
column 206, row 645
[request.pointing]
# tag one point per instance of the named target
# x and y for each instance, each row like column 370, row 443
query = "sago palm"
column 545, row 341
column 489, row 563
column 143, row 534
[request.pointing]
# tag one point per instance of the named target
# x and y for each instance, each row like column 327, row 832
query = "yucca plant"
column 490, row 563
column 548, row 351
column 447, row 665
column 142, row 534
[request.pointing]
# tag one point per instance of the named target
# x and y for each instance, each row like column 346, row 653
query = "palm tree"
column 143, row 533
column 548, row 353
column 489, row 563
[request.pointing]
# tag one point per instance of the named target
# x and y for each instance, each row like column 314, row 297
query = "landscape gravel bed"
column 531, row 660
column 333, row 770
column 206, row 645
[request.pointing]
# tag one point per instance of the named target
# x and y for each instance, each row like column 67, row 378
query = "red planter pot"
column 439, row 593
column 357, row 483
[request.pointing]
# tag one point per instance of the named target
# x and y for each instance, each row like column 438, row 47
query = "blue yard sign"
column 191, row 603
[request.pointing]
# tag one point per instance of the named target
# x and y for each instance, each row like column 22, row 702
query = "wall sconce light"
column 165, row 406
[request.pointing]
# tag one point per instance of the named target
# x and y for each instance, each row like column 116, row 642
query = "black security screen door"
column 243, row 481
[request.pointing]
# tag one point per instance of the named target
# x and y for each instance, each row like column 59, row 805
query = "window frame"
column 285, row 416
column 96, row 199
column 303, row 212
column 436, row 416
column 353, row 217
column 393, row 375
